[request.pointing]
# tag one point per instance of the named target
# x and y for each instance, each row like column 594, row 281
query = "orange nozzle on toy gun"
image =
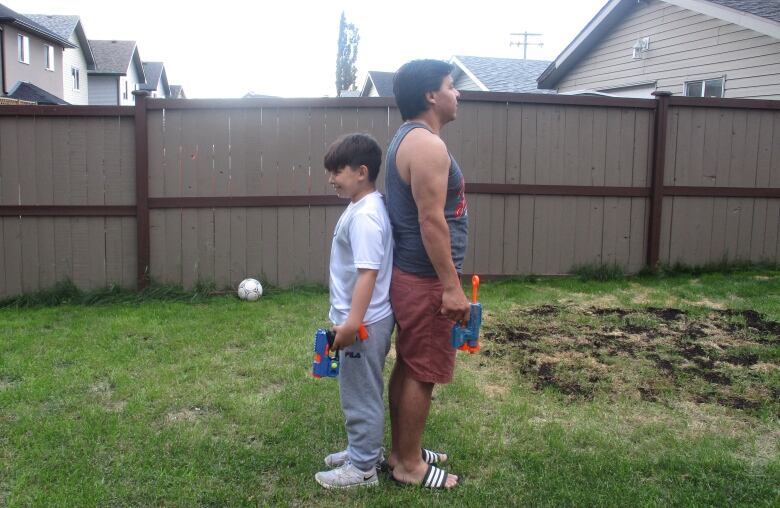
column 362, row 332
column 474, row 288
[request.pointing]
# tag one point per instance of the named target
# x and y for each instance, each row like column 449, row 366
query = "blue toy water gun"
column 326, row 359
column 466, row 338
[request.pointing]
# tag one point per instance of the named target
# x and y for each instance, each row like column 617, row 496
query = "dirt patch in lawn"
column 721, row 356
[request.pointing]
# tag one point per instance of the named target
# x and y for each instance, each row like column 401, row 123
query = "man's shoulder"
column 423, row 138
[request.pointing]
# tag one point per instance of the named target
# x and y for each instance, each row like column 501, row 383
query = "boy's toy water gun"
column 466, row 338
column 326, row 360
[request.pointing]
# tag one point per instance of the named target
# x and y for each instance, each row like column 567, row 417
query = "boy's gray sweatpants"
column 361, row 386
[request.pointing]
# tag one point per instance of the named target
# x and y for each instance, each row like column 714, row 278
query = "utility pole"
column 525, row 42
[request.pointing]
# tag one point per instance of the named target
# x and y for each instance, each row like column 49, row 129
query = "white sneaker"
column 339, row 458
column 346, row 477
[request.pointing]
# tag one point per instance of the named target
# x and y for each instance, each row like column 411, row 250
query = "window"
column 75, row 75
column 125, row 95
column 704, row 88
column 23, row 48
column 49, row 55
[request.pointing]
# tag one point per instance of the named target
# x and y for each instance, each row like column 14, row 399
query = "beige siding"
column 35, row 72
column 684, row 46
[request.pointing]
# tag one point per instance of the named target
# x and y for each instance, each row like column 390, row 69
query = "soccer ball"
column 250, row 290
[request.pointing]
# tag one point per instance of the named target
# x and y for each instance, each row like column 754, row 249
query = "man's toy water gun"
column 326, row 360
column 466, row 338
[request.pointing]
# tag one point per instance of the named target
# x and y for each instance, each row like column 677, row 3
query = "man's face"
column 446, row 98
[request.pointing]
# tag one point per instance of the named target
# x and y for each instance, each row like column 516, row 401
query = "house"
column 30, row 53
column 712, row 48
column 488, row 74
column 177, row 92
column 156, row 80
column 377, row 84
column 118, row 71
column 76, row 61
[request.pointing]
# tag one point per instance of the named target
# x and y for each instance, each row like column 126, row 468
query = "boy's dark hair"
column 413, row 80
column 354, row 150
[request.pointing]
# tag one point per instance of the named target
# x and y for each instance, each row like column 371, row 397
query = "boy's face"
column 348, row 181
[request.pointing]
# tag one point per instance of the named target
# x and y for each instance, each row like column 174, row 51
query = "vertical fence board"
column 63, row 262
column 222, row 245
column 172, row 161
column 238, row 243
column 5, row 290
column 157, row 240
column 270, row 244
column 254, row 238
column 26, row 151
column 157, row 146
column 12, row 236
column 528, row 144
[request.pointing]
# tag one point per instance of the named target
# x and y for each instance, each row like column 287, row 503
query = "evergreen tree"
column 346, row 72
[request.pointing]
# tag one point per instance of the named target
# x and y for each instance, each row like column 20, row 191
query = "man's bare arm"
column 429, row 172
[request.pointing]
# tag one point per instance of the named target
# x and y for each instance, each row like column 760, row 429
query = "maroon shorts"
column 422, row 332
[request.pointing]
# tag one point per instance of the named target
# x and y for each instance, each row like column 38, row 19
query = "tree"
column 346, row 72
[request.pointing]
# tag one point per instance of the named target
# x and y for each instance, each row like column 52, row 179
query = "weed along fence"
column 182, row 191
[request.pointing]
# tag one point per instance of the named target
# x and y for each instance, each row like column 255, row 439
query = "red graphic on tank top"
column 461, row 208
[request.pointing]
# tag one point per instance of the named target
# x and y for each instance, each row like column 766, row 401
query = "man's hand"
column 455, row 305
column 346, row 334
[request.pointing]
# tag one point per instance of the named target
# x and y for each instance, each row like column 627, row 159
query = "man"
column 426, row 202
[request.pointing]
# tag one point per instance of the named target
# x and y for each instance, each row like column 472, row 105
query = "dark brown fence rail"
column 232, row 188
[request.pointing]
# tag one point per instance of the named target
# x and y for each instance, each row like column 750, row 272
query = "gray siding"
column 103, row 90
column 684, row 46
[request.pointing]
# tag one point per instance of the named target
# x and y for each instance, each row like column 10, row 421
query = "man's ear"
column 430, row 97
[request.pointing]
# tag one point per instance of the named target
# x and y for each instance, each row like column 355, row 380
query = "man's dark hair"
column 415, row 79
column 354, row 150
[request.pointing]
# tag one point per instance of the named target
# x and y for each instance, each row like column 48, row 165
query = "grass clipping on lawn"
column 724, row 357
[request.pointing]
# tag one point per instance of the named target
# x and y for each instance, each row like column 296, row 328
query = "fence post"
column 142, row 188
column 657, row 184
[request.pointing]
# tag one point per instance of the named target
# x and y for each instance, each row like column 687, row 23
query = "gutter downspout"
column 2, row 58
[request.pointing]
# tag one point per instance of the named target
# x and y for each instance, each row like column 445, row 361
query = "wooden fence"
column 217, row 190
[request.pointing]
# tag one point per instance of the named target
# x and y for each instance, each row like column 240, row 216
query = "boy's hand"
column 346, row 334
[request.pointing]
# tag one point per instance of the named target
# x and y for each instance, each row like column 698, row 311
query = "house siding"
column 132, row 84
column 463, row 82
column 35, row 72
column 103, row 90
column 684, row 46
column 74, row 57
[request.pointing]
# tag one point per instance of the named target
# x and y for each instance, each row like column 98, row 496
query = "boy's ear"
column 363, row 170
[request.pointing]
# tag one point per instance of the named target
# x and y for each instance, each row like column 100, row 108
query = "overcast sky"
column 288, row 48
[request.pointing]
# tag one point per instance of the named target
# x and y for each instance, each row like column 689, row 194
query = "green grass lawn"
column 650, row 391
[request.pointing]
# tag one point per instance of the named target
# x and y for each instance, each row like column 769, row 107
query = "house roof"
column 24, row 23
column 769, row 9
column 115, row 57
column 501, row 74
column 381, row 81
column 155, row 72
column 762, row 16
column 64, row 26
column 26, row 91
column 177, row 92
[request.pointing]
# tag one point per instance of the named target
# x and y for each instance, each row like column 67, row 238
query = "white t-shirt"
column 362, row 239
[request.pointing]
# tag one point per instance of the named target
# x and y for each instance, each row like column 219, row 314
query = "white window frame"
column 49, row 56
column 125, row 94
column 703, row 82
column 23, row 48
column 75, row 77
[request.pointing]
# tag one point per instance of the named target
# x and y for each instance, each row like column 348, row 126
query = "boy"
column 360, row 266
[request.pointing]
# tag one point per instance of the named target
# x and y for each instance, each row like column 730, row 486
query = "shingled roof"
column 501, row 74
column 26, row 91
column 24, row 23
column 381, row 81
column 115, row 57
column 769, row 9
column 65, row 26
column 155, row 72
